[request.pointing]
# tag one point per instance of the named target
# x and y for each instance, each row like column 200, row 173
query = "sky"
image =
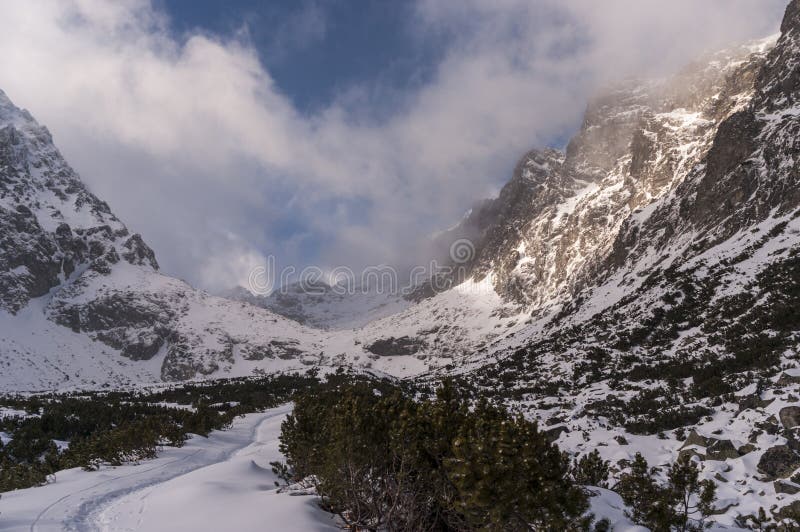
column 327, row 132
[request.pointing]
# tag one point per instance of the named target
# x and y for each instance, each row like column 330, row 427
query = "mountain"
column 554, row 225
column 326, row 307
column 561, row 230
column 636, row 292
column 76, row 284
column 83, row 303
column 664, row 293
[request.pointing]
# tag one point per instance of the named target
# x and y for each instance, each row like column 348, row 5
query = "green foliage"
column 682, row 504
column 384, row 460
column 591, row 470
column 118, row 427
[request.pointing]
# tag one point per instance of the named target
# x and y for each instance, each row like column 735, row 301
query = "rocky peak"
column 51, row 226
column 555, row 224
column 749, row 171
column 791, row 17
column 779, row 79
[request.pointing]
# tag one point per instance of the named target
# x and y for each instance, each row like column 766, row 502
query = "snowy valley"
column 637, row 292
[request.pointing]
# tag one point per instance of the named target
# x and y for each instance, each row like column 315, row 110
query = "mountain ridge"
column 566, row 223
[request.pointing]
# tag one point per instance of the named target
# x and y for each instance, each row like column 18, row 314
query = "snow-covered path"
column 223, row 482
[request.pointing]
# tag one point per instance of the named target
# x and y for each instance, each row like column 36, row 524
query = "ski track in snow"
column 183, row 489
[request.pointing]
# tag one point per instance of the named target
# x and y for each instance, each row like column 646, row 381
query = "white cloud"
column 192, row 144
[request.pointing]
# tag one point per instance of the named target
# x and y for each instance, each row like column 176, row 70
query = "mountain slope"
column 682, row 336
column 52, row 227
column 556, row 221
column 66, row 260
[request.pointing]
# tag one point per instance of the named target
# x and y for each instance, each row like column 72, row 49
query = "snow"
column 607, row 504
column 13, row 412
column 567, row 207
column 223, row 482
column 37, row 354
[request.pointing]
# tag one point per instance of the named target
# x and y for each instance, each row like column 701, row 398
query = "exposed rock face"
column 721, row 450
column 395, row 346
column 750, row 172
column 564, row 219
column 50, row 225
column 790, row 416
column 60, row 241
column 779, row 462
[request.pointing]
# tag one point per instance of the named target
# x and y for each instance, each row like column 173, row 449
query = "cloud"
column 192, row 144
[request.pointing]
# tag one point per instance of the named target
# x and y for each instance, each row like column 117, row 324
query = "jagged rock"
column 778, row 462
column 746, row 449
column 785, row 487
column 790, row 416
column 392, row 346
column 137, row 252
column 753, row 402
column 694, row 439
column 721, row 450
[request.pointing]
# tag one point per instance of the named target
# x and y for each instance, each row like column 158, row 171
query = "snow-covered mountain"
column 554, row 225
column 76, row 286
column 322, row 306
column 638, row 291
column 668, row 324
column 564, row 227
column 82, row 302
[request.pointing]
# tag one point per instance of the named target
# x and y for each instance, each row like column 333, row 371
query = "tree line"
column 387, row 460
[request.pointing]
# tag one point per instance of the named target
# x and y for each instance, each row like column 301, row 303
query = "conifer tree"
column 591, row 470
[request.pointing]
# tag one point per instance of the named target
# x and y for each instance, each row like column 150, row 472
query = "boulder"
column 695, row 439
column 785, row 487
column 785, row 379
column 554, row 433
column 753, row 402
column 790, row 416
column 721, row 450
column 690, row 453
column 769, row 425
column 778, row 462
column 746, row 449
column 790, row 511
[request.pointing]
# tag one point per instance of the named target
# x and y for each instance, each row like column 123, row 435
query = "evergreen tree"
column 690, row 496
column 591, row 470
column 682, row 504
column 384, row 460
column 509, row 477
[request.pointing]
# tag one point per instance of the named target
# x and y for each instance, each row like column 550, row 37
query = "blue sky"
column 316, row 50
column 327, row 132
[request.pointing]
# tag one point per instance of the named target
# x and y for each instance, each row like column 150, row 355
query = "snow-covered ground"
column 223, row 482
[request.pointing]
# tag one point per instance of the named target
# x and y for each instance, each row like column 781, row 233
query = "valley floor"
column 223, row 482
